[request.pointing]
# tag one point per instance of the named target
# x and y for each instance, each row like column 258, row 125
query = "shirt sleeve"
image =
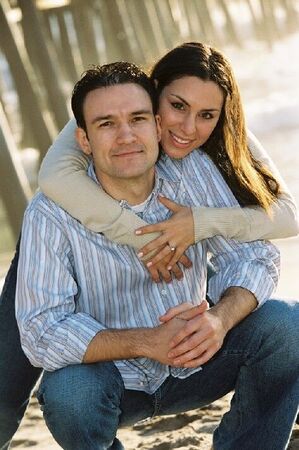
column 251, row 265
column 254, row 266
column 250, row 223
column 64, row 180
column 53, row 334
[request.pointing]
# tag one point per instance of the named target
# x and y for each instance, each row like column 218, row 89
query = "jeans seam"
column 157, row 402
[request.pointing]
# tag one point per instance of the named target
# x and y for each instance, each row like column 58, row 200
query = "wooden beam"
column 14, row 186
column 13, row 49
column 44, row 59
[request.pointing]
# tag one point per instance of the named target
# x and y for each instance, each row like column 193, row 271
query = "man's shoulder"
column 43, row 206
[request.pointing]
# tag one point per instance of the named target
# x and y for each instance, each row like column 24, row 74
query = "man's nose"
column 125, row 134
column 189, row 125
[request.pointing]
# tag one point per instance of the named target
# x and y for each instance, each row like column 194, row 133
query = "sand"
column 188, row 431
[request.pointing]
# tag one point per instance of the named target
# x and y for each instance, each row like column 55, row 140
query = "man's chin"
column 131, row 174
column 134, row 171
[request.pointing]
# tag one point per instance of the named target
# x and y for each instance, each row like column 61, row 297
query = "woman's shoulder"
column 199, row 160
column 174, row 169
column 169, row 168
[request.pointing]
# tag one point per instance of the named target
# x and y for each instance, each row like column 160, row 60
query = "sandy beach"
column 188, row 431
column 270, row 88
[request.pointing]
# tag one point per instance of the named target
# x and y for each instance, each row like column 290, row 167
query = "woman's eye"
column 178, row 105
column 207, row 115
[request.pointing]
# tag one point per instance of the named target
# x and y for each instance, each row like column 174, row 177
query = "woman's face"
column 189, row 109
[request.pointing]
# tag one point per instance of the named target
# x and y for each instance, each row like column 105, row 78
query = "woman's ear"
column 158, row 124
column 83, row 141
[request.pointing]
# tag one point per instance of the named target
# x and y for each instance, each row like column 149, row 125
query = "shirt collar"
column 123, row 203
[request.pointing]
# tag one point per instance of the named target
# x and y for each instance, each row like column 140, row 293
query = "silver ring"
column 173, row 249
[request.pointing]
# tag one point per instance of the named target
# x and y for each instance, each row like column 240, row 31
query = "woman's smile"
column 189, row 109
column 179, row 141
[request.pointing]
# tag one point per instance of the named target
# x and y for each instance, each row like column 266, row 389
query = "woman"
column 268, row 210
column 183, row 124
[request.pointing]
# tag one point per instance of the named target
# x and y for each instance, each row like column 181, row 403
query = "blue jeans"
column 84, row 405
column 17, row 375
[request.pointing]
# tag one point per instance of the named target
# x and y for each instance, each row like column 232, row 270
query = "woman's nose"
column 189, row 125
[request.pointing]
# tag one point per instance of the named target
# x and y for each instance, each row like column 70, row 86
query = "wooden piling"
column 32, row 114
column 14, row 186
column 45, row 62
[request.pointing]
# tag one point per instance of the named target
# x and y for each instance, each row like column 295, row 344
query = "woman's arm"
column 251, row 223
column 243, row 224
column 248, row 223
column 63, row 178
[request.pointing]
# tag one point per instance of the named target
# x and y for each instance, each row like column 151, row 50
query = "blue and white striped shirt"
column 73, row 283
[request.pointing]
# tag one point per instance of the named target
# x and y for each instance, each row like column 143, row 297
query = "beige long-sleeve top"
column 63, row 178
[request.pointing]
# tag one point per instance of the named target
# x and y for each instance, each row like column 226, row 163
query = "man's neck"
column 132, row 190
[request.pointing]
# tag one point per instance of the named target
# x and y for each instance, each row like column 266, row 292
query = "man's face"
column 122, row 132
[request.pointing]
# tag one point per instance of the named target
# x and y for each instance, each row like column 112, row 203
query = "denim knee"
column 81, row 405
column 282, row 317
column 279, row 323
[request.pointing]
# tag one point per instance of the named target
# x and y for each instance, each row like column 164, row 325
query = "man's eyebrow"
column 142, row 111
column 99, row 118
column 111, row 116
column 186, row 103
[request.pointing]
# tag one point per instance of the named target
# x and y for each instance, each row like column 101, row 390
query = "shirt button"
column 163, row 292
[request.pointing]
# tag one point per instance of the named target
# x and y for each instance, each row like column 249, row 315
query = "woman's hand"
column 177, row 235
column 160, row 270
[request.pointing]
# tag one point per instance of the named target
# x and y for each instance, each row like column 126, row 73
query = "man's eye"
column 106, row 124
column 178, row 105
column 139, row 119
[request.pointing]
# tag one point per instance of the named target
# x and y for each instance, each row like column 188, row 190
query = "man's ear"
column 158, row 124
column 83, row 141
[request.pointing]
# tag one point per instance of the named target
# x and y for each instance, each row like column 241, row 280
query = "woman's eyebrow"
column 186, row 103
column 181, row 99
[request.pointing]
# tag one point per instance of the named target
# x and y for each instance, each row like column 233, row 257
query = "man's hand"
column 185, row 311
column 204, row 333
column 188, row 337
column 198, row 341
column 158, row 340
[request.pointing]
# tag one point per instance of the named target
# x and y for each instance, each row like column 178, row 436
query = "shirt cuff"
column 253, row 276
column 68, row 341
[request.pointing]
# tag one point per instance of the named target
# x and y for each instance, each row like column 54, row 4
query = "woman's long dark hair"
column 250, row 182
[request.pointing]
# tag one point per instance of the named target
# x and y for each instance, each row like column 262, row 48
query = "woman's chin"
column 177, row 153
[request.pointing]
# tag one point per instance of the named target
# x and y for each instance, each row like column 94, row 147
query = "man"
column 118, row 347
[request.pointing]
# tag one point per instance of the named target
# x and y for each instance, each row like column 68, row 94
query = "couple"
column 116, row 344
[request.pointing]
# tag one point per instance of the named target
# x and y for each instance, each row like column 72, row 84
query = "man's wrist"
column 115, row 344
column 235, row 304
column 146, row 344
